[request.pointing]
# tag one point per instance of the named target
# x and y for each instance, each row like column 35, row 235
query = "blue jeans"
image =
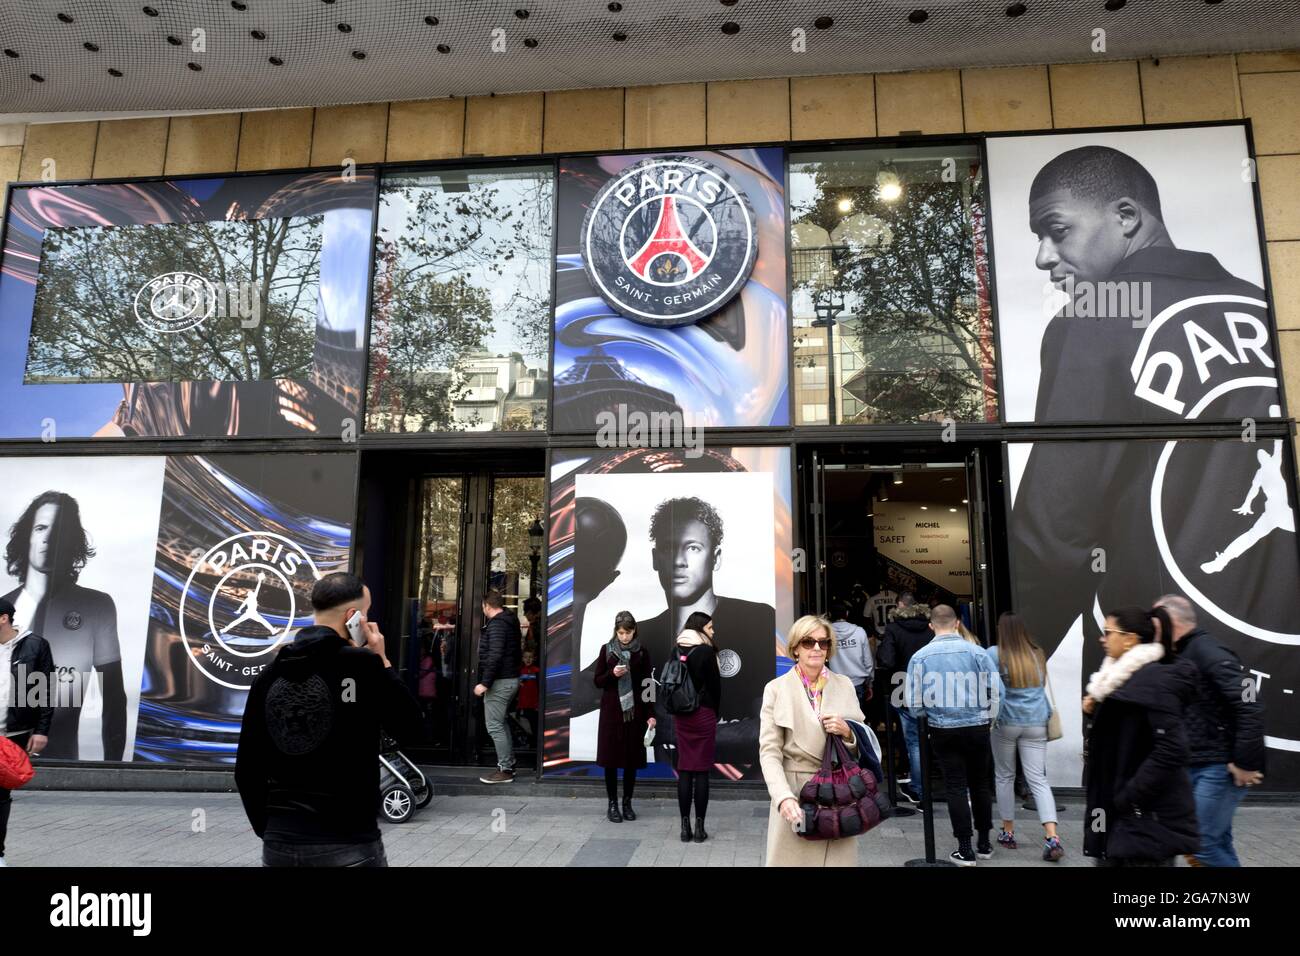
column 324, row 854
column 1217, row 799
column 912, row 735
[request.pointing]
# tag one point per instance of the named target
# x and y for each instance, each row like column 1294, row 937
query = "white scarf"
column 692, row 638
column 1115, row 671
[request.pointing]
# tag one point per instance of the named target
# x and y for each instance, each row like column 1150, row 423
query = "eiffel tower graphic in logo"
column 671, row 253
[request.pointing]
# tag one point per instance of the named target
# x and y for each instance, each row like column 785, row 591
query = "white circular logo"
column 175, row 302
column 246, row 590
column 728, row 663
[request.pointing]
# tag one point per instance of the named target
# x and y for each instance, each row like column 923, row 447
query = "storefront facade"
column 786, row 343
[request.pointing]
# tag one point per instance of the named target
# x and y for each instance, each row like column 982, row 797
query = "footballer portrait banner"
column 225, row 306
column 662, row 534
column 79, row 554
column 671, row 289
column 241, row 541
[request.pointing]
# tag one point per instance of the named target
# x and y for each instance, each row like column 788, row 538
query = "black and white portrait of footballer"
column 702, row 542
column 1130, row 291
column 79, row 557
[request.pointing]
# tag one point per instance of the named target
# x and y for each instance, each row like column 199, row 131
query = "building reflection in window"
column 891, row 314
column 462, row 301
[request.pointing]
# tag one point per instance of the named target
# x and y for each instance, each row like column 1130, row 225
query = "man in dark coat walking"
column 27, row 687
column 1225, row 733
column 500, row 656
column 907, row 632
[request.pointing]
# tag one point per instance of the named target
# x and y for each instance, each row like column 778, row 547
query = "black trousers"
column 963, row 753
column 5, row 804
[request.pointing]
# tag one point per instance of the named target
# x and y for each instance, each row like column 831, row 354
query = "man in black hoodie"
column 308, row 762
column 500, row 654
column 1225, row 733
column 907, row 632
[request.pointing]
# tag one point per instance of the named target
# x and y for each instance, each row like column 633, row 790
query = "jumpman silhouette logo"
column 1277, row 513
column 248, row 609
column 668, row 237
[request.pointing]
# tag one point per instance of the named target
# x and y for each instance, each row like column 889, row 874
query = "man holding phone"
column 308, row 763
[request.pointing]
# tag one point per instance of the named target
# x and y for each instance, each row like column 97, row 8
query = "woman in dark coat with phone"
column 622, row 673
column 1140, row 808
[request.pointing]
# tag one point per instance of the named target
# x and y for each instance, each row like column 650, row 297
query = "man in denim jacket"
column 955, row 685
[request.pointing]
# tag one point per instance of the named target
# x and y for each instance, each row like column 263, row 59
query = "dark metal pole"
column 927, row 806
column 891, row 771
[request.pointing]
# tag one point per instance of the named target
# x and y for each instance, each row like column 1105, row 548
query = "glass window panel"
column 890, row 293
column 460, row 326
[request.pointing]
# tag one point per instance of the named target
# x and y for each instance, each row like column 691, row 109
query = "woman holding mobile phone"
column 622, row 673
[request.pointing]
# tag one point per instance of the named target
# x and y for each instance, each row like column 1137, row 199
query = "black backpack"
column 676, row 687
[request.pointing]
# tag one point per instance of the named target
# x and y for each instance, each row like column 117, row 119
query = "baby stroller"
column 403, row 788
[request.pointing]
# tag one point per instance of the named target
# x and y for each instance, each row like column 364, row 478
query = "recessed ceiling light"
column 1114, row 5
column 731, row 28
column 1016, row 9
column 345, row 28
column 174, row 41
column 530, row 42
column 823, row 23
column 11, row 53
column 727, row 3
column 953, row 510
column 358, row 54
column 522, row 14
column 925, row 507
column 432, row 21
column 443, row 48
column 257, row 34
column 965, row 501
column 64, row 18
column 615, row 8
column 38, row 78
column 620, row 37
column 194, row 66
column 918, row 16
column 239, row 4
column 275, row 61
column 92, row 47
column 113, row 72
column 149, row 11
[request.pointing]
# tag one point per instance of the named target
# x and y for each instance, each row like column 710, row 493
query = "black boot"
column 628, row 813
column 700, row 835
column 613, row 814
column 686, row 829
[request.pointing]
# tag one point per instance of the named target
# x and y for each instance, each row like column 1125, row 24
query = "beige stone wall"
column 1262, row 86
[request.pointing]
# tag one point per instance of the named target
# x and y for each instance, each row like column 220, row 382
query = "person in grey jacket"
column 852, row 653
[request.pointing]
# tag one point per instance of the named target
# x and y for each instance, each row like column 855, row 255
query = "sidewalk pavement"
column 85, row 829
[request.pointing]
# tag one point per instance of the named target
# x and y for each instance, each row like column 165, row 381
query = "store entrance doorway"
column 885, row 520
column 445, row 536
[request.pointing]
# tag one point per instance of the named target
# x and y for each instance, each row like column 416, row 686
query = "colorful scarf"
column 623, row 655
column 814, row 689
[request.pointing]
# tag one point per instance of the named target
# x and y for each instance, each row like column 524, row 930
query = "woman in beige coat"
column 799, row 709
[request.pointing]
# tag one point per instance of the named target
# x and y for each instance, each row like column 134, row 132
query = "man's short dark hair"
column 7, row 607
column 69, row 546
column 675, row 512
column 335, row 590
column 839, row 611
column 906, row 599
column 533, row 604
column 493, row 598
column 1099, row 174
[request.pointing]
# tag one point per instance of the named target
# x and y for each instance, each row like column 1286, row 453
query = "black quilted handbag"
column 841, row 799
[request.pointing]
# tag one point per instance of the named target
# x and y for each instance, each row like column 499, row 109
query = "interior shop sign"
column 670, row 241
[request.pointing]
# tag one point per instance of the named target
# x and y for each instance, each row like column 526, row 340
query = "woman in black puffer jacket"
column 1140, row 809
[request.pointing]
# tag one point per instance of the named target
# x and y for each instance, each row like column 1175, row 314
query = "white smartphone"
column 355, row 629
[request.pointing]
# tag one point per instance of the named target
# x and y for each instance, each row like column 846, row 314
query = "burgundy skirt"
column 697, row 733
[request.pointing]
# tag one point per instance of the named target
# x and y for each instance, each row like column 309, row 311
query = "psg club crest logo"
column 669, row 241
column 244, row 591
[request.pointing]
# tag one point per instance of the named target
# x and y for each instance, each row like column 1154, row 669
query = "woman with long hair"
column 1021, row 728
column 1140, row 808
column 622, row 673
column 697, row 732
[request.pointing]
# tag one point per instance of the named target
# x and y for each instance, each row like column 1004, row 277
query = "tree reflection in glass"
column 891, row 277
column 462, row 306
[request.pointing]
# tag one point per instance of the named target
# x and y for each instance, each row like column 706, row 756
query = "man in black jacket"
column 499, row 658
column 26, row 696
column 308, row 761
column 907, row 632
column 1225, row 733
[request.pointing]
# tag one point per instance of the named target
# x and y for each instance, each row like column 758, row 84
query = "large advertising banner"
column 660, row 533
column 241, row 540
column 1129, row 289
column 79, row 556
column 227, row 306
column 671, row 289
